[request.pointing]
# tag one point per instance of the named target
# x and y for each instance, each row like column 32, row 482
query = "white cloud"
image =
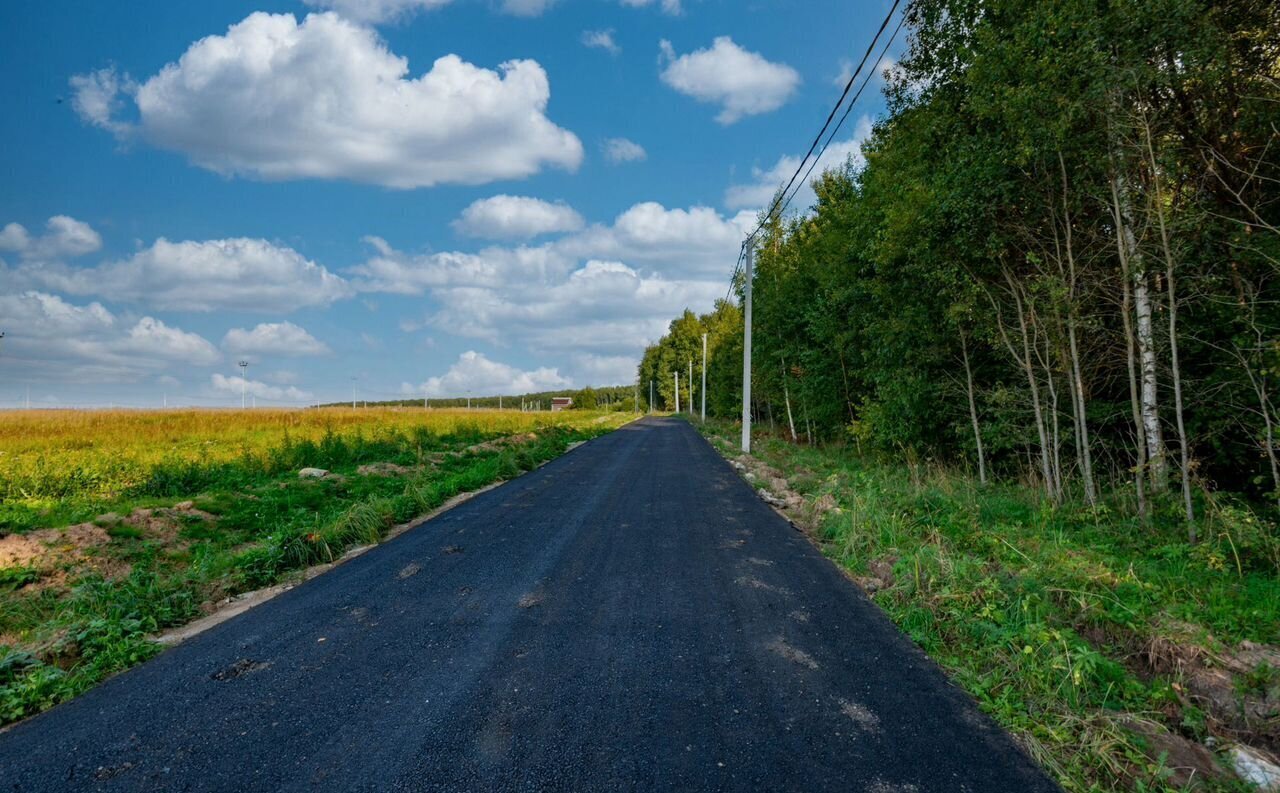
column 526, row 8
column 234, row 385
column 325, row 99
column 64, row 237
column 233, row 274
column 516, row 217
column 408, row 274
column 669, row 7
column 274, row 338
column 604, row 308
column 377, row 10
column 601, row 39
column 683, row 242
column 54, row 340
column 759, row 193
column 474, row 374
column 617, row 150
column 153, row 337
column 743, row 83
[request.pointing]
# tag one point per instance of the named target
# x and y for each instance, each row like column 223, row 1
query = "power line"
column 847, row 110
column 830, row 116
column 784, row 198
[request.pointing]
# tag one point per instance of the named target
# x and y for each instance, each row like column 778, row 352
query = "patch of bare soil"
column 46, row 549
column 384, row 469
column 879, row 575
column 1189, row 763
column 502, row 443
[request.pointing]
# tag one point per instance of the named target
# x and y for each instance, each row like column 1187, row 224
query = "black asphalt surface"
column 628, row 617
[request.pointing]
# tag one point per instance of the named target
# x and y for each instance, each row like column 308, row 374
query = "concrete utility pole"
column 746, row 347
column 650, row 395
column 353, row 393
column 704, row 377
column 244, row 381
column 676, row 375
column 690, row 384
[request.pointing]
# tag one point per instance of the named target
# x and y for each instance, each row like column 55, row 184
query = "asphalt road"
column 628, row 617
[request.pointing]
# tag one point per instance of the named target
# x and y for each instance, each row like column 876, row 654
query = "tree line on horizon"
column 1059, row 259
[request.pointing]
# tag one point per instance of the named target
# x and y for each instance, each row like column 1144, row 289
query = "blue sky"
column 431, row 196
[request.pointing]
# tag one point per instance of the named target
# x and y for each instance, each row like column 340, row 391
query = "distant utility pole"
column 244, row 381
column 650, row 395
column 499, row 401
column 676, row 373
column 635, row 405
column 353, row 393
column 704, row 377
column 468, row 400
column 746, row 346
column 690, row 383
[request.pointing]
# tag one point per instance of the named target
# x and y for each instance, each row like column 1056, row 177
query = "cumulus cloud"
column 61, row 341
column 377, row 10
column 602, row 40
column 759, row 192
column 232, row 274
column 277, row 99
column 397, row 272
column 516, row 217
column 274, row 338
column 64, row 237
column 669, row 7
column 619, row 150
column 604, row 308
column 686, row 243
column 474, row 374
column 743, row 83
column 234, row 385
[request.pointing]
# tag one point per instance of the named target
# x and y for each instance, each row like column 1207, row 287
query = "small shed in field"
column 561, row 403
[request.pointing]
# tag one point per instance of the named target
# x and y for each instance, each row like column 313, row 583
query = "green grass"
column 1042, row 613
column 61, row 639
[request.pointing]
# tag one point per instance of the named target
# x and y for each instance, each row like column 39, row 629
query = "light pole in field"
column 244, row 381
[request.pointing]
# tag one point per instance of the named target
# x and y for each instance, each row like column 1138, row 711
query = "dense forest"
column 1059, row 260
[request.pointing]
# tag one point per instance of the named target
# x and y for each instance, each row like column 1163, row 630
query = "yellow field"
column 51, row 453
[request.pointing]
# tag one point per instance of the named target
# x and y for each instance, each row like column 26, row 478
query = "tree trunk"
column 1157, row 465
column 1029, row 369
column 1083, row 449
column 786, row 395
column 973, row 411
column 1183, row 453
column 1139, row 433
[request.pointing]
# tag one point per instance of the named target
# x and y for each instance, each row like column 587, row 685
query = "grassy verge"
column 1121, row 657
column 80, row 602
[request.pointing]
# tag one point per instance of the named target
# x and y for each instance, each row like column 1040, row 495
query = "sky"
column 404, row 198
